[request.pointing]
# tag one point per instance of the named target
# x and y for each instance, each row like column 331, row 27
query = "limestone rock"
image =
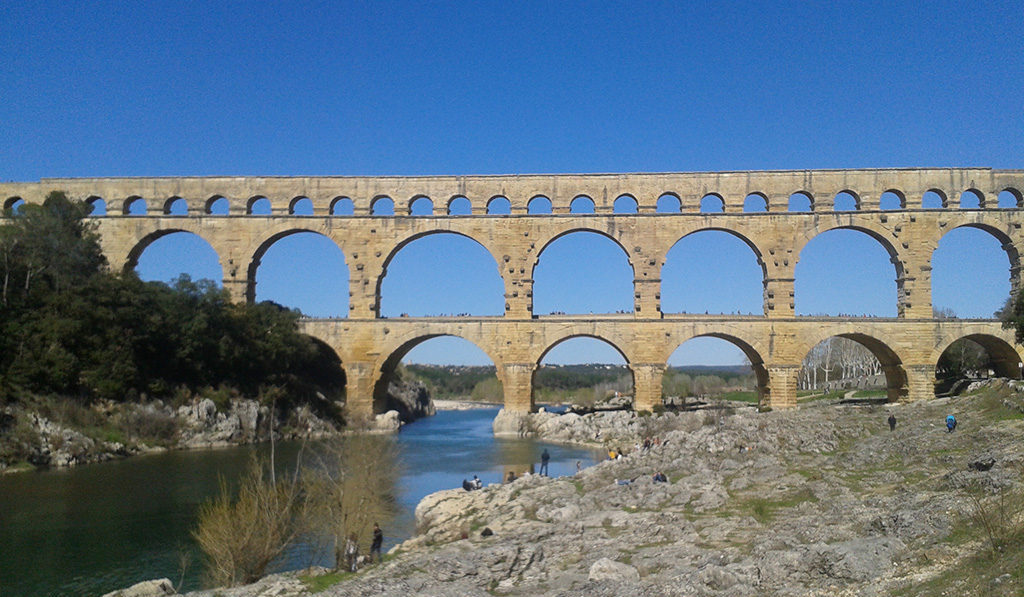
column 147, row 588
column 608, row 569
column 388, row 422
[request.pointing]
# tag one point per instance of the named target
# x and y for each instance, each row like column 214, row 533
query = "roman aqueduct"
column 908, row 346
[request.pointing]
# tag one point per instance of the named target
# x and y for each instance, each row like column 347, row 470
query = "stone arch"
column 879, row 235
column 547, row 243
column 132, row 260
column 131, row 203
column 574, row 334
column 846, row 200
column 420, row 205
column 757, row 363
column 625, row 204
column 300, row 206
column 269, row 241
column 712, row 203
column 669, row 203
column 10, row 202
column 396, row 350
column 893, row 368
column 459, row 205
column 407, row 241
column 892, row 199
column 972, row 199
column 174, row 203
column 499, row 205
column 758, row 256
column 1016, row 199
column 539, row 204
column 97, row 205
column 582, row 204
column 342, row 206
column 755, row 202
column 1007, row 244
column 210, row 205
column 1005, row 358
column 382, row 205
column 259, row 205
column 934, row 199
column 797, row 201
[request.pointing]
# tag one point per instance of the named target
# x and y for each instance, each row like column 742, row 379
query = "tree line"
column 70, row 327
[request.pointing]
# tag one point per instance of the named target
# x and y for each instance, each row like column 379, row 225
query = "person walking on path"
column 544, row 458
column 378, row 540
column 892, row 422
column 351, row 552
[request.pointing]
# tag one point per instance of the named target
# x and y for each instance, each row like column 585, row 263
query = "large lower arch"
column 892, row 366
column 385, row 370
column 580, row 349
column 710, row 270
column 966, row 270
column 304, row 277
column 861, row 289
column 753, row 357
column 472, row 281
column 583, row 264
column 1004, row 359
column 177, row 252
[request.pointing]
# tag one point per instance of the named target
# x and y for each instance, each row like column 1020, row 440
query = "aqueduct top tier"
column 775, row 213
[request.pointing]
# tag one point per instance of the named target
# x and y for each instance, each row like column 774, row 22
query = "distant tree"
column 1012, row 315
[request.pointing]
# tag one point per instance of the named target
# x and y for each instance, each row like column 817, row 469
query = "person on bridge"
column 892, row 422
column 544, row 458
column 950, row 423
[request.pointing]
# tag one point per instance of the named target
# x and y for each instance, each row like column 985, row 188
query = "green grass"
column 764, row 510
column 748, row 396
column 870, row 394
column 318, row 584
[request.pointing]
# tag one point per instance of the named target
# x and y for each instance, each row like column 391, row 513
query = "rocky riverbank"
column 823, row 500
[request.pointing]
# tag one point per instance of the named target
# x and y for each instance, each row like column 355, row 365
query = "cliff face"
column 410, row 399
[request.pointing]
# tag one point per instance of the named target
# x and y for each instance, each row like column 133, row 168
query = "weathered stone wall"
column 908, row 346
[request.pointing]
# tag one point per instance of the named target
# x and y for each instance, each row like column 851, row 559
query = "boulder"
column 511, row 424
column 607, row 569
column 388, row 422
column 147, row 588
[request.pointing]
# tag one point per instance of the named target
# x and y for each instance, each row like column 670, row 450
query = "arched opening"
column 581, row 205
column 460, row 206
column 301, row 270
column 421, row 206
column 892, row 200
column 971, row 199
column 98, row 207
column 583, row 371
column 499, row 206
column 217, row 206
column 754, row 203
column 382, row 206
column 13, row 205
column 258, row 206
column 851, row 366
column 974, row 357
column 714, row 366
column 176, row 206
column 442, row 274
column 846, row 201
column 712, row 271
column 846, row 272
column 135, row 206
column 933, row 199
column 1010, row 199
column 971, row 272
column 800, row 202
column 301, row 206
column 166, row 255
column 625, row 204
column 435, row 366
column 669, row 203
column 342, row 206
column 582, row 272
column 539, row 205
column 712, row 204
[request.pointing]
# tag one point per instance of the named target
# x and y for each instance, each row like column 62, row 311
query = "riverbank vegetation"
column 75, row 334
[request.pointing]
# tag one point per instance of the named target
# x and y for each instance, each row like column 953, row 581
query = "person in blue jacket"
column 950, row 423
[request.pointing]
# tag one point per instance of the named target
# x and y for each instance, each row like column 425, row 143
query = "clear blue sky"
column 162, row 88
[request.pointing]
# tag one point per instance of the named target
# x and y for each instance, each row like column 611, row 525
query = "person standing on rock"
column 544, row 458
column 892, row 422
column 950, row 423
column 378, row 540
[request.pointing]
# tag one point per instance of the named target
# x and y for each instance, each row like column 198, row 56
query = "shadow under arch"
column 334, row 383
column 1004, row 358
column 132, row 261
column 756, row 362
column 411, row 239
column 386, row 370
column 896, row 385
column 264, row 246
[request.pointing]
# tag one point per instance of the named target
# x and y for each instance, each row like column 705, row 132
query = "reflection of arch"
column 1005, row 359
column 756, row 362
column 140, row 247
column 395, row 354
column 407, row 241
column 572, row 335
column 264, row 246
column 892, row 365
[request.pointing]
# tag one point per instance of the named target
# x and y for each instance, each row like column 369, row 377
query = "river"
column 96, row 528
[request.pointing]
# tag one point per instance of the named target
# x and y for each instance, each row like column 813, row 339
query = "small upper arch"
column 342, row 206
column 755, row 202
column 382, row 205
column 217, row 205
column 892, row 199
column 934, row 199
column 98, row 207
column 712, row 203
column 258, row 205
column 420, row 205
column 499, row 205
column 1010, row 198
column 459, row 205
column 135, row 206
column 625, row 204
column 175, row 206
column 800, row 201
column 300, row 206
column 581, row 204
column 669, row 203
column 972, row 199
column 846, row 200
column 539, row 204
